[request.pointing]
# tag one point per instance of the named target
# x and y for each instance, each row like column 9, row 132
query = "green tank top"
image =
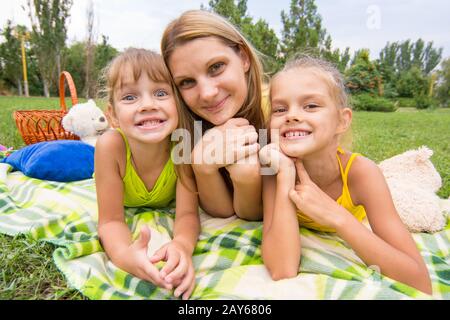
column 135, row 191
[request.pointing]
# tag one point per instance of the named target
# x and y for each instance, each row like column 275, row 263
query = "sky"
column 351, row 23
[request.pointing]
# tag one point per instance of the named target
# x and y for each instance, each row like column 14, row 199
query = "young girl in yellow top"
column 319, row 185
column 133, row 168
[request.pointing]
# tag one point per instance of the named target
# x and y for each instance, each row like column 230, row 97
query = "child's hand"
column 229, row 142
column 272, row 155
column 139, row 264
column 178, row 270
column 313, row 202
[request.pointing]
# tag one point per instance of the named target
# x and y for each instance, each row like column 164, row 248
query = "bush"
column 424, row 102
column 406, row 102
column 367, row 102
column 412, row 82
column 390, row 92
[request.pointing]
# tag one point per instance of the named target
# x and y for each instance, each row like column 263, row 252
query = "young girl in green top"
column 133, row 168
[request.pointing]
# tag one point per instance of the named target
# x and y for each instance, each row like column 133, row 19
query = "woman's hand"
column 137, row 262
column 178, row 270
column 315, row 203
column 245, row 170
column 225, row 145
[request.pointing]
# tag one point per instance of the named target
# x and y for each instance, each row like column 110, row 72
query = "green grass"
column 382, row 135
column 27, row 271
column 26, row 267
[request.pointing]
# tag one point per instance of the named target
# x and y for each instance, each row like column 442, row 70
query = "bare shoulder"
column 364, row 177
column 362, row 166
column 111, row 141
column 110, row 147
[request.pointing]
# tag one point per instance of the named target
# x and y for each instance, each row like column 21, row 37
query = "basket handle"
column 65, row 76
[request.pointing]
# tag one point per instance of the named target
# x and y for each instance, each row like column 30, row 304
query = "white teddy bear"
column 413, row 182
column 87, row 121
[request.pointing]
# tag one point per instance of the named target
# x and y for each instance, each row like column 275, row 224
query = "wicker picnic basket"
column 45, row 125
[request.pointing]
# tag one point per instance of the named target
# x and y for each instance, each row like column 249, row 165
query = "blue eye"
column 161, row 93
column 128, row 97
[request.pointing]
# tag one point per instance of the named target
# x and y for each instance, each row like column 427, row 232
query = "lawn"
column 26, row 267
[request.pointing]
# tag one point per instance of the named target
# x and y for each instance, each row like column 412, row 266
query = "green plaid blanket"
column 227, row 258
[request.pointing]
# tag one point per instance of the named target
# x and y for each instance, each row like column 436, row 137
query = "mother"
column 218, row 77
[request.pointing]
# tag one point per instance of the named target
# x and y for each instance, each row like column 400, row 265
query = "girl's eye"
column 186, row 83
column 311, row 106
column 216, row 67
column 128, row 97
column 161, row 93
column 279, row 109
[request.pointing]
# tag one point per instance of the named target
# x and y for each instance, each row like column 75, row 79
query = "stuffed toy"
column 87, row 121
column 413, row 182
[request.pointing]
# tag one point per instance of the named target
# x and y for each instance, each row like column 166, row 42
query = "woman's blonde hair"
column 195, row 24
column 334, row 80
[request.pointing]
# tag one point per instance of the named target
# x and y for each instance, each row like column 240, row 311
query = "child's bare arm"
column 113, row 232
column 390, row 246
column 179, row 269
column 281, row 245
column 187, row 222
column 112, row 229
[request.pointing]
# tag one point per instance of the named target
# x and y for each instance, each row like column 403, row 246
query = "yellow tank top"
column 344, row 200
column 135, row 191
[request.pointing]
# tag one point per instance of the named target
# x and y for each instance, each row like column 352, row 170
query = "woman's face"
column 211, row 78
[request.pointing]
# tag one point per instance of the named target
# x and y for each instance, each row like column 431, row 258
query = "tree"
column 302, row 29
column 74, row 62
column 387, row 65
column 235, row 13
column 363, row 75
column 443, row 88
column 49, row 33
column 432, row 58
column 75, row 58
column 90, row 48
column 402, row 56
column 262, row 37
column 265, row 41
column 10, row 57
column 340, row 60
column 406, row 67
column 412, row 83
column 104, row 53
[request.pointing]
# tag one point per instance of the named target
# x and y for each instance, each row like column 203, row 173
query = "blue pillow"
column 59, row 160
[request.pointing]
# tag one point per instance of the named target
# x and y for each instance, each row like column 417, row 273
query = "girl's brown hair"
column 136, row 61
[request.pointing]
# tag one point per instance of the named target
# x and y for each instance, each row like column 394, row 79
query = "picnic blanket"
column 227, row 258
